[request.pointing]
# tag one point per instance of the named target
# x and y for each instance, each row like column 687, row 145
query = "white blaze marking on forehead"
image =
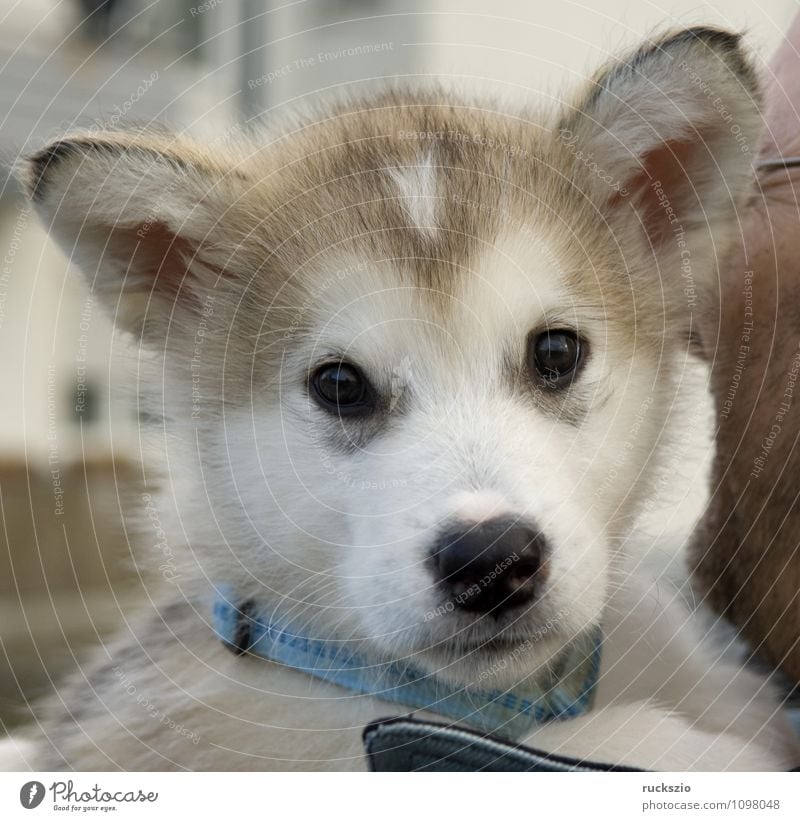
column 418, row 193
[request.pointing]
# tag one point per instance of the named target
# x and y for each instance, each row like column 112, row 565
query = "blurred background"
column 70, row 445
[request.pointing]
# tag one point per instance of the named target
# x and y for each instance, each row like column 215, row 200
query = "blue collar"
column 509, row 713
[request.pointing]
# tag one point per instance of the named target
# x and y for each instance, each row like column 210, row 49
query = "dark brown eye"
column 554, row 355
column 342, row 389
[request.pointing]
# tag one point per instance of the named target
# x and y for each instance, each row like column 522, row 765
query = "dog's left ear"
column 671, row 132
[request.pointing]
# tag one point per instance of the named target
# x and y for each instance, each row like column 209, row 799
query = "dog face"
column 417, row 357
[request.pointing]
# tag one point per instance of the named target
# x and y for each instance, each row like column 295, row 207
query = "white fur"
column 418, row 192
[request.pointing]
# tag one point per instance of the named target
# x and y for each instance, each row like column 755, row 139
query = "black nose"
column 489, row 567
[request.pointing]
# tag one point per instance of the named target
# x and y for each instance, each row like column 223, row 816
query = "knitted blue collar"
column 511, row 713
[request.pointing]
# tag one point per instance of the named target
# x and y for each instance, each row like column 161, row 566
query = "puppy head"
column 418, row 355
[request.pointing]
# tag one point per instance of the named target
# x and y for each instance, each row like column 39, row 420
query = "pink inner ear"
column 159, row 261
column 163, row 256
column 662, row 192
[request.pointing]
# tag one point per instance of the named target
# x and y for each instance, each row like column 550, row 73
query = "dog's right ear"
column 136, row 212
column 669, row 132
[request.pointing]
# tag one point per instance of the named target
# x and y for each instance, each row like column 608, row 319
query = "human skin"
column 745, row 553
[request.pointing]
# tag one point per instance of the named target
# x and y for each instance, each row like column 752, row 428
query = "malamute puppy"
column 416, row 358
